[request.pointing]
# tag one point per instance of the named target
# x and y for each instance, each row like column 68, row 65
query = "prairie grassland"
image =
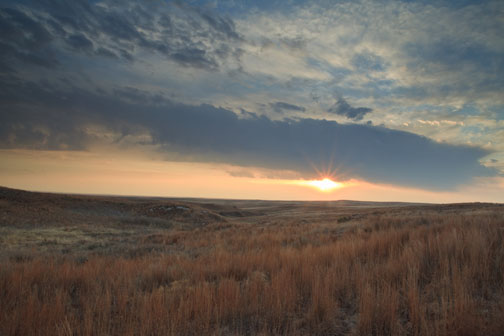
column 422, row 272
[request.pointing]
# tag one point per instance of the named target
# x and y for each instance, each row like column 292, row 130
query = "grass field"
column 85, row 265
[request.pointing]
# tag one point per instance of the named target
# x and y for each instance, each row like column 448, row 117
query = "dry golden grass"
column 387, row 275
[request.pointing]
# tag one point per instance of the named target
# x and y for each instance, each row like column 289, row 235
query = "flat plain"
column 108, row 265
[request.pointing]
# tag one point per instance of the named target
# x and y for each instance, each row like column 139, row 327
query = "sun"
column 325, row 185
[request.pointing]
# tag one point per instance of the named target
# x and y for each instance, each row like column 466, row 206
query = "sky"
column 391, row 100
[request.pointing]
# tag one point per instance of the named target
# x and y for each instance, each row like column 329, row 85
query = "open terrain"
column 105, row 265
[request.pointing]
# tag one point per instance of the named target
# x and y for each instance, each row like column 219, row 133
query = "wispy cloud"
column 184, row 34
column 341, row 107
column 282, row 106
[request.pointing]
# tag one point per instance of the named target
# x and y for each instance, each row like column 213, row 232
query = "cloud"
column 80, row 42
column 186, row 35
column 280, row 107
column 241, row 173
column 396, row 52
column 368, row 62
column 106, row 53
column 344, row 109
column 76, row 73
column 212, row 134
column 23, row 39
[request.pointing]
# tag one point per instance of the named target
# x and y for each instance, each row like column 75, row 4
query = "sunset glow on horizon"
column 136, row 174
column 324, row 185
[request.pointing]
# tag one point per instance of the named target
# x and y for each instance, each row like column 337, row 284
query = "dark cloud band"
column 212, row 134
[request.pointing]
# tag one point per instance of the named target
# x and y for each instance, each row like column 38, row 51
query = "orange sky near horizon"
column 119, row 174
